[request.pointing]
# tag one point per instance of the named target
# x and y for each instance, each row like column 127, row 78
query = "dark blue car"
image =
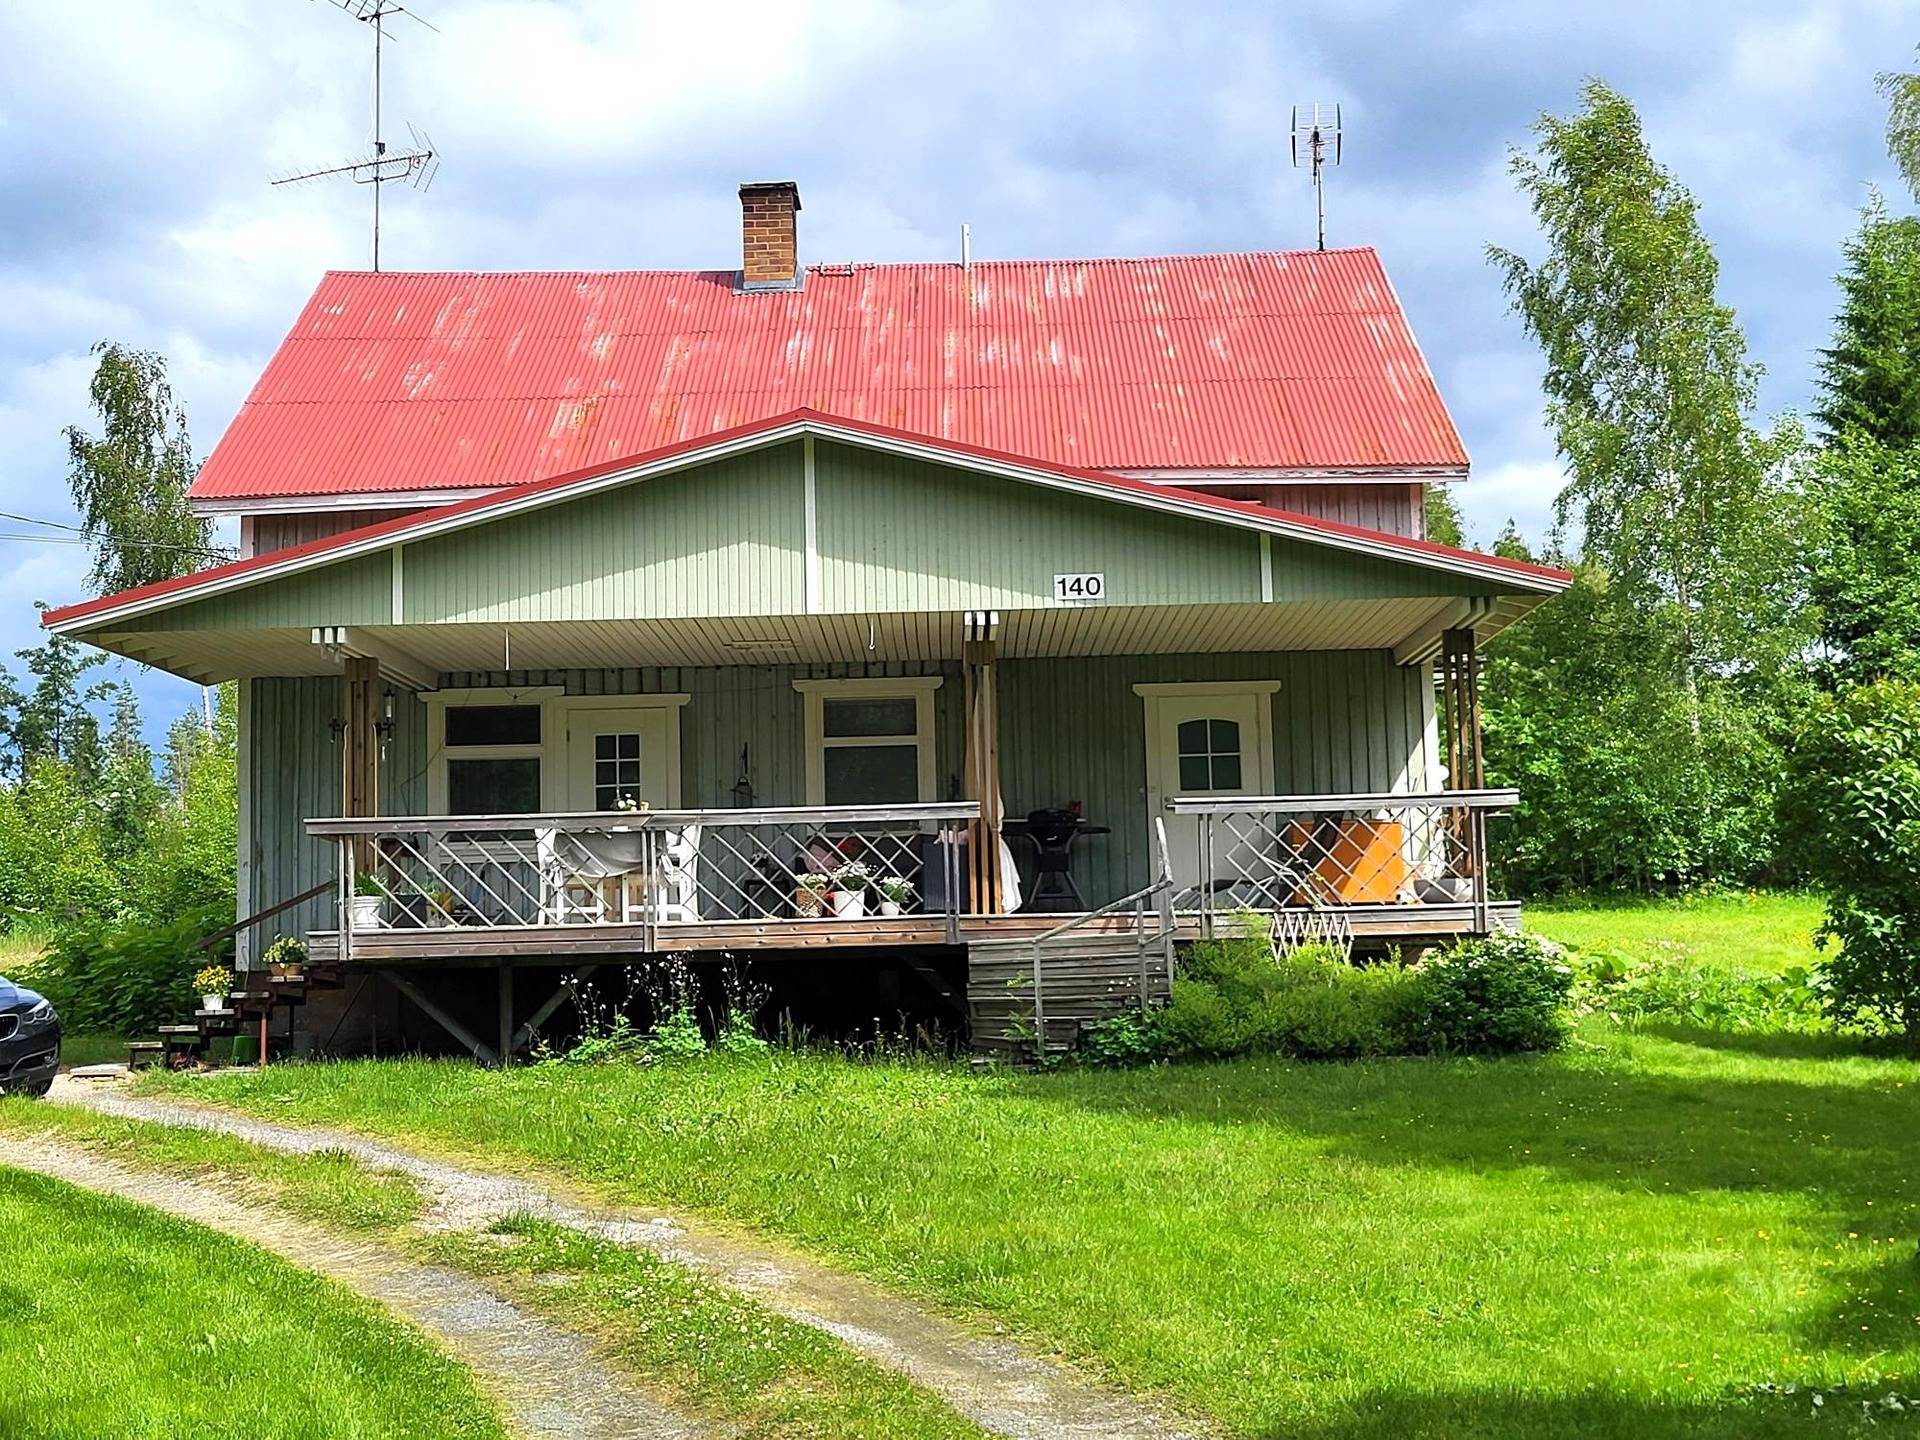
column 29, row 1041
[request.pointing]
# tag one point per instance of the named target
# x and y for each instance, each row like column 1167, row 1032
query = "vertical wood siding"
column 900, row 534
column 1395, row 509
column 724, row 539
column 274, row 531
column 295, row 772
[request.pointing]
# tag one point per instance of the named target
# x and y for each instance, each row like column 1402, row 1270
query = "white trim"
column 1266, row 570
column 1256, row 475
column 1365, row 543
column 1151, row 693
column 812, row 524
column 321, row 504
column 918, row 688
column 555, row 705
column 1207, row 687
column 243, row 942
column 399, row 585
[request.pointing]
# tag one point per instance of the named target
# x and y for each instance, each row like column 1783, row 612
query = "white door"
column 1203, row 743
column 621, row 754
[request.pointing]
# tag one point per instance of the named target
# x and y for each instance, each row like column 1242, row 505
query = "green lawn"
column 715, row 1353
column 1758, row 933
column 1631, row 1239
column 119, row 1321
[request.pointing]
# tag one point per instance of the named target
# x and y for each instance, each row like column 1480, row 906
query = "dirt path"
column 548, row 1383
column 995, row 1384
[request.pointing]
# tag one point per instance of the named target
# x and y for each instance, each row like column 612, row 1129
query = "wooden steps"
column 1085, row 977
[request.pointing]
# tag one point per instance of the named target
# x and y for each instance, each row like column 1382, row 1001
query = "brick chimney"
column 769, row 247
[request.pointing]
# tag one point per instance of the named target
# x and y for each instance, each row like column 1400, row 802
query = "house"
column 586, row 616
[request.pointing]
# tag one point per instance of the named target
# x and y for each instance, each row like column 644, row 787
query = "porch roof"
column 891, row 537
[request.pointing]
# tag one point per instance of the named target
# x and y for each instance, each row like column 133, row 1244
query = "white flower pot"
column 365, row 911
column 213, row 1002
column 889, row 907
column 849, row 904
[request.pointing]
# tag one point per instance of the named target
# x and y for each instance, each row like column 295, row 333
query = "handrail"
column 1161, row 885
column 1501, row 799
column 208, row 941
column 630, row 820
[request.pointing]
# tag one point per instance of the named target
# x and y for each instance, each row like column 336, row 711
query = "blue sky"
column 136, row 146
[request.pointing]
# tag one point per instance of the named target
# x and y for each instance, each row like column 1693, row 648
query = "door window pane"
column 872, row 774
column 616, row 770
column 1209, row 754
column 493, row 787
column 493, row 725
column 894, row 715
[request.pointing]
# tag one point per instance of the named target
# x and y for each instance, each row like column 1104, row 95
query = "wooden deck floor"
column 1373, row 925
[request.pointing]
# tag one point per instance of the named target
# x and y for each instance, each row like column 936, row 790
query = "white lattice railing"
column 1294, row 855
column 650, row 869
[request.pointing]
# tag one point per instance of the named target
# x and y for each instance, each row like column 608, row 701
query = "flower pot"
column 213, row 1002
column 807, row 904
column 365, row 912
column 889, row 907
column 849, row 904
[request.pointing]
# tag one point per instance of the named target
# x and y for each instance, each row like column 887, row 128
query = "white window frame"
column 555, row 706
column 917, row 688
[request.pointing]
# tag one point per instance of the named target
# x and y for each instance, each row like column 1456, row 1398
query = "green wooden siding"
column 723, row 539
column 902, row 535
column 1069, row 730
column 728, row 538
column 292, row 771
column 352, row 592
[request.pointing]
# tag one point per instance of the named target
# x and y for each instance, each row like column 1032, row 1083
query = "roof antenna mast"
column 1322, row 125
column 417, row 163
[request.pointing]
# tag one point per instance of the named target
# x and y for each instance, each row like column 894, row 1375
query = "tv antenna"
column 1320, row 127
column 417, row 163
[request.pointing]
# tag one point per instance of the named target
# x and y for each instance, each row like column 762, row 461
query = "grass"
column 92, row 1049
column 117, row 1320
column 328, row 1186
column 710, row 1351
column 1742, row 933
column 1635, row 1238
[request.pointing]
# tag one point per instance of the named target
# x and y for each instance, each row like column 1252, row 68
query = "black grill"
column 9, row 1026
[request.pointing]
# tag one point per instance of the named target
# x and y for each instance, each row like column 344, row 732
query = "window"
column 1209, row 753
column 492, row 759
column 616, row 770
column 870, row 741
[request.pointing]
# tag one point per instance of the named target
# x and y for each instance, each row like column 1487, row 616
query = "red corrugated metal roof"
column 409, row 382
column 834, row 426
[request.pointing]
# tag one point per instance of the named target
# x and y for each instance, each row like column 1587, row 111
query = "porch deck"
column 1376, row 925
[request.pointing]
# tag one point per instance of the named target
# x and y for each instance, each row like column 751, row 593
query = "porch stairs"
column 1031, row 1000
column 264, row 998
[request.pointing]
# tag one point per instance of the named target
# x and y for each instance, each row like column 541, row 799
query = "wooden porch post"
column 1466, row 762
column 360, row 749
column 983, row 763
column 1460, row 694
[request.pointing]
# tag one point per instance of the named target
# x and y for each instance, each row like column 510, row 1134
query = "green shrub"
column 1133, row 1037
column 125, row 975
column 1234, row 997
column 1495, row 995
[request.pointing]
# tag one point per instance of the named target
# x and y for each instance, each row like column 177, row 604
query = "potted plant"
column 368, row 896
column 213, row 982
column 440, row 911
column 286, row 958
column 850, row 882
column 896, row 893
column 810, row 894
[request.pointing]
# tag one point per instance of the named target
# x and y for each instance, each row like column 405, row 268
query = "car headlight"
column 41, row 1014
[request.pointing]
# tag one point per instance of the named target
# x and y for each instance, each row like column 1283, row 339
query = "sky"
column 137, row 143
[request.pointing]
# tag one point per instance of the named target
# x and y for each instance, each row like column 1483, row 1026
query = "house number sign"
column 1079, row 587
